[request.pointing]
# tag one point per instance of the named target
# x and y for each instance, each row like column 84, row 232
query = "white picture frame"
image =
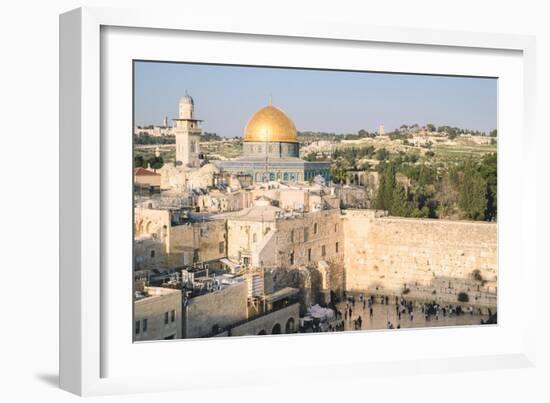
column 86, row 305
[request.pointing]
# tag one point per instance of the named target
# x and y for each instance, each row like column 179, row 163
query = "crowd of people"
column 403, row 308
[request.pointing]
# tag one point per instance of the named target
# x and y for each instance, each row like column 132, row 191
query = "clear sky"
column 316, row 100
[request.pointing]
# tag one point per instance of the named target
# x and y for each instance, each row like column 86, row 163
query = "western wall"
column 426, row 259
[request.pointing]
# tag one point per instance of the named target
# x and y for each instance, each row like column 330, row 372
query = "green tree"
column 488, row 171
column 339, row 170
column 384, row 197
column 473, row 193
column 399, row 205
column 156, row 163
column 382, row 154
column 391, row 195
column 139, row 161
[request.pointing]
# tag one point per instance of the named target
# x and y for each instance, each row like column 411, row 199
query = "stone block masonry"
column 425, row 259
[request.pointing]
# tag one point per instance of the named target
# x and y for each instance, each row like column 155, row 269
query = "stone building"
column 209, row 313
column 146, row 178
column 287, row 244
column 157, row 313
column 185, row 240
column 229, row 311
column 216, row 201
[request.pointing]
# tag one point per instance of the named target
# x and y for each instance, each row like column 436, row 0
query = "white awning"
column 230, row 263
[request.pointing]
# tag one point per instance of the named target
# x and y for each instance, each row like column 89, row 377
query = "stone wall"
column 265, row 324
column 432, row 259
column 222, row 308
column 295, row 251
column 161, row 301
column 207, row 238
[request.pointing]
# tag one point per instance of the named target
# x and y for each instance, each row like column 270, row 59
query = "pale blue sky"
column 317, row 100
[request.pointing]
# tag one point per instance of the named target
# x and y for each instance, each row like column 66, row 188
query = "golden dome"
column 270, row 124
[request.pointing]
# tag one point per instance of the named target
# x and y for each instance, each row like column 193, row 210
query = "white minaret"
column 187, row 130
column 165, row 121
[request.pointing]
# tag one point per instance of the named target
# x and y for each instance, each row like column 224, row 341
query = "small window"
column 336, row 247
column 309, row 255
column 315, row 228
column 323, row 250
column 292, row 257
column 173, row 315
column 165, row 318
column 144, row 325
column 306, row 235
column 292, row 236
column 335, row 227
column 152, row 254
column 221, row 247
column 137, row 326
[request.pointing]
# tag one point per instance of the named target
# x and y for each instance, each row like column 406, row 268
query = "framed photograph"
column 237, row 199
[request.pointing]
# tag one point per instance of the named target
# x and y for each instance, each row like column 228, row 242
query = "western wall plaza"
column 269, row 242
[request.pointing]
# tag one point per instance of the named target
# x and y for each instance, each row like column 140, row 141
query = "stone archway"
column 290, row 326
column 276, row 329
column 139, row 228
column 262, row 333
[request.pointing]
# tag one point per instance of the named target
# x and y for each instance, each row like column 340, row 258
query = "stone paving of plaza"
column 383, row 313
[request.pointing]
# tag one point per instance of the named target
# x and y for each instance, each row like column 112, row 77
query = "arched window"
column 276, row 329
